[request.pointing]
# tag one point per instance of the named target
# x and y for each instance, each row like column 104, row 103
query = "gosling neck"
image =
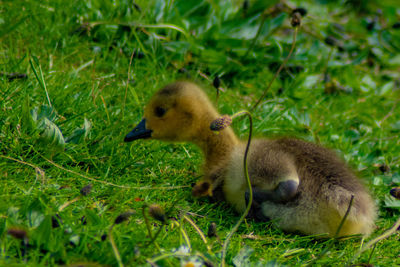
column 217, row 146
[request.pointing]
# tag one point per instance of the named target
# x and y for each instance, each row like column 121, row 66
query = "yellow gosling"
column 299, row 185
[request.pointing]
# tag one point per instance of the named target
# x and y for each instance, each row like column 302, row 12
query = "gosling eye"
column 159, row 111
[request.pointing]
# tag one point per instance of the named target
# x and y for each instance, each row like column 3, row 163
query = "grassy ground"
column 98, row 62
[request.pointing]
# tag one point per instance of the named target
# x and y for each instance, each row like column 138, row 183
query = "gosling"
column 300, row 186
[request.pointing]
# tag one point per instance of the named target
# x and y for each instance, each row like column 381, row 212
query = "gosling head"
column 179, row 112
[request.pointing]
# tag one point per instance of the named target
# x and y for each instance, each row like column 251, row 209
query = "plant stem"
column 146, row 220
column 152, row 238
column 278, row 71
column 344, row 218
column 246, row 174
column 264, row 17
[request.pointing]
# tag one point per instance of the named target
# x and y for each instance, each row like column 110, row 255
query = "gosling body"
column 300, row 186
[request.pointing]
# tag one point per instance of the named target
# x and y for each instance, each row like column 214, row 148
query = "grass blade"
column 40, row 78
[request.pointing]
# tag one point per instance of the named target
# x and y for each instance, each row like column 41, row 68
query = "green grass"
column 84, row 49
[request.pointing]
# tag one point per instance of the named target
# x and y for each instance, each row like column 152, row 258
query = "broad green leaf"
column 44, row 111
column 367, row 83
column 74, row 239
column 395, row 178
column 92, row 217
column 243, row 28
column 394, row 61
column 13, row 215
column 243, row 258
column 50, row 134
column 43, row 232
column 377, row 181
column 35, row 218
column 387, row 88
column 77, row 135
column 391, row 202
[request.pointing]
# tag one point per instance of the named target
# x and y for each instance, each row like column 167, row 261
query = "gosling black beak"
column 139, row 132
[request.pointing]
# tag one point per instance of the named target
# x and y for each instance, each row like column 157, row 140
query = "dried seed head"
column 86, row 190
column 157, row 213
column 137, row 7
column 55, row 221
column 208, row 263
column 103, row 237
column 396, row 25
column 18, row 233
column 212, row 230
column 14, row 76
column 370, row 25
column 245, row 5
column 216, row 82
column 138, row 54
column 395, row 192
column 83, row 220
column 384, row 168
column 123, row 217
column 331, row 41
column 296, row 19
column 301, row 10
column 221, row 123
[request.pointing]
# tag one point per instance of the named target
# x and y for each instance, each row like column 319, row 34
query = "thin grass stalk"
column 159, row 230
column 114, row 247
column 374, row 241
column 40, row 79
column 156, row 234
column 91, row 178
column 66, row 204
column 199, row 232
column 186, row 237
column 335, row 237
column 106, row 109
column 139, row 25
column 127, row 84
column 246, row 174
column 372, row 253
column 152, row 237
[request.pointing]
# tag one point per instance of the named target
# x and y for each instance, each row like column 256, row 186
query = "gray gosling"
column 300, row 186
